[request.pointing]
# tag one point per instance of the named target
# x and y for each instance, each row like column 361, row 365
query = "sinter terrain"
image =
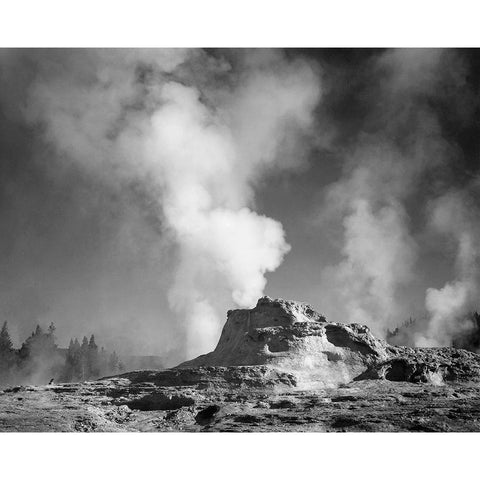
column 280, row 366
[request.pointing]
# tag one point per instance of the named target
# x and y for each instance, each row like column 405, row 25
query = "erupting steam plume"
column 145, row 192
column 195, row 132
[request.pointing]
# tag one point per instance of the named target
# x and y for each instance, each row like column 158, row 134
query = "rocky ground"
column 278, row 367
column 138, row 404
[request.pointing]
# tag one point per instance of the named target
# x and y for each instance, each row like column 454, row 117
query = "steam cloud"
column 454, row 215
column 401, row 148
column 378, row 250
column 195, row 133
column 188, row 138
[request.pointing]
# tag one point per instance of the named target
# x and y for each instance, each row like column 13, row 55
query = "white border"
column 232, row 456
column 247, row 23
column 242, row 23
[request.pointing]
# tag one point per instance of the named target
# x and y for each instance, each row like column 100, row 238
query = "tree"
column 113, row 362
column 39, row 358
column 77, row 358
column 103, row 361
column 6, row 344
column 7, row 354
column 38, row 344
column 72, row 368
column 85, row 374
column 93, row 361
column 51, row 331
column 86, row 361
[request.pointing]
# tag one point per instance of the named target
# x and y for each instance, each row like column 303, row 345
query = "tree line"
column 39, row 359
column 467, row 337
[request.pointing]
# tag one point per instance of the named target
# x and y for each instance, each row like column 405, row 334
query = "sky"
column 143, row 193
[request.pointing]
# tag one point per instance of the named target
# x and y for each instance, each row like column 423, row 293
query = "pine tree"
column 84, row 359
column 39, row 356
column 25, row 350
column 51, row 331
column 50, row 338
column 71, row 367
column 93, row 361
column 103, row 362
column 77, row 359
column 7, row 354
column 6, row 344
column 113, row 362
column 39, row 344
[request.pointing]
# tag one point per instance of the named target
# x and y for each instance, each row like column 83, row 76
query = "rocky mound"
column 292, row 338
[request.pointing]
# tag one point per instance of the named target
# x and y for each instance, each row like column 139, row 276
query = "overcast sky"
column 145, row 192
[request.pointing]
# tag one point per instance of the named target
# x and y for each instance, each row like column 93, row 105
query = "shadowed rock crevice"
column 356, row 340
column 160, row 401
column 207, row 415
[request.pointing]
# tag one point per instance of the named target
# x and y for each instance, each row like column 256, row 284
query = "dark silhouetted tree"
column 87, row 361
column 5, row 340
column 72, row 368
column 93, row 361
column 7, row 354
column 38, row 344
column 85, row 374
column 39, row 358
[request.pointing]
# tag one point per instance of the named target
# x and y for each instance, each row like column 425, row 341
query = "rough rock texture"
column 294, row 339
column 138, row 402
column 278, row 367
column 432, row 365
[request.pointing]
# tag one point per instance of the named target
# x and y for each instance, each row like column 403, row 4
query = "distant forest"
column 39, row 360
column 467, row 338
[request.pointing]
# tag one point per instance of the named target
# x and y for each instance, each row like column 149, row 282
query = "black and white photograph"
column 239, row 239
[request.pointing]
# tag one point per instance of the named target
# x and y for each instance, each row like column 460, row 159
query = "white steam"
column 448, row 306
column 196, row 134
column 378, row 252
column 401, row 142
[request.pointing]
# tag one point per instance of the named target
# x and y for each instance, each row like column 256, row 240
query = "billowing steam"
column 160, row 155
column 401, row 144
column 454, row 215
column 194, row 133
column 378, row 250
